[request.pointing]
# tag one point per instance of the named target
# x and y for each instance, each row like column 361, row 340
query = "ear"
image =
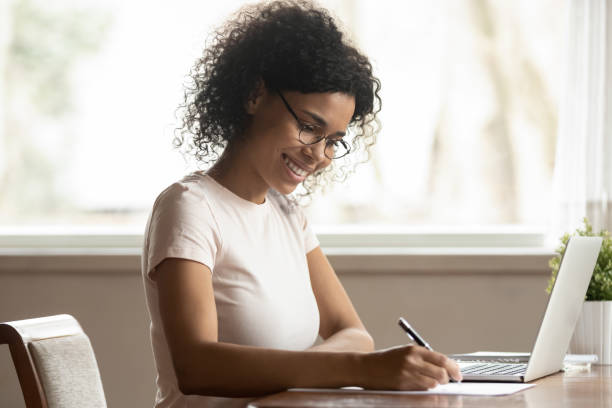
column 255, row 97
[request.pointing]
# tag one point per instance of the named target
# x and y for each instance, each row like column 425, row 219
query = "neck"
column 235, row 173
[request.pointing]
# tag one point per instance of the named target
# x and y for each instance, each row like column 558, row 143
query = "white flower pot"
column 593, row 333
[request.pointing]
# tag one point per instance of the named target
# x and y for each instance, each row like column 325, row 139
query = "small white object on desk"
column 579, row 362
column 580, row 358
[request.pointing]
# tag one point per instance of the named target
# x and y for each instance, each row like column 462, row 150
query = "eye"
column 307, row 127
column 335, row 142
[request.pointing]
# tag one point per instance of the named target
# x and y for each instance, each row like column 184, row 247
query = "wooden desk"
column 579, row 389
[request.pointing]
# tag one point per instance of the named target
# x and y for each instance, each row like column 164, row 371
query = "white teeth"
column 294, row 168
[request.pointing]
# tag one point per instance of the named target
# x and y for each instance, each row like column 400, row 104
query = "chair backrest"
column 55, row 362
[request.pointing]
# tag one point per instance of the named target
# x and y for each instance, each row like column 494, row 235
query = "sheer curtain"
column 583, row 169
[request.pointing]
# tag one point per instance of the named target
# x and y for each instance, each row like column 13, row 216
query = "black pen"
column 414, row 336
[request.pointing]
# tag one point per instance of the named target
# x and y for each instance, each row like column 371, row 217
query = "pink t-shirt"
column 257, row 256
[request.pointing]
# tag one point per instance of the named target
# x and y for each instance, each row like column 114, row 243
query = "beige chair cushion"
column 68, row 371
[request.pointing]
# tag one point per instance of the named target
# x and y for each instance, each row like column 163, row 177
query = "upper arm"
column 335, row 308
column 186, row 306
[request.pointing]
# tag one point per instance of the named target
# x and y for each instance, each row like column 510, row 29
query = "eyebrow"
column 321, row 122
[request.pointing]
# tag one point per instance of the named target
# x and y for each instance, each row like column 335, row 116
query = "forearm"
column 231, row 370
column 350, row 339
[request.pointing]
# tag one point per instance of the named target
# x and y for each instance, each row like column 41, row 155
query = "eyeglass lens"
column 334, row 149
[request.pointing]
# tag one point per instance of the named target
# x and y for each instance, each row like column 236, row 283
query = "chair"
column 55, row 362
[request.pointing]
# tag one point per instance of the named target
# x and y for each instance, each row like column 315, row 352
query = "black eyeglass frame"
column 302, row 127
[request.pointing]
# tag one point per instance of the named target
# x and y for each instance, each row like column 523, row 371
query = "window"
column 470, row 89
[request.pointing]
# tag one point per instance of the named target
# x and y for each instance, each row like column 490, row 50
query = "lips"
column 295, row 167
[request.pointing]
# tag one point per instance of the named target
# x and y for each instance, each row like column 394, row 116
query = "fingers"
column 454, row 370
column 433, row 365
column 439, row 374
column 419, row 381
column 450, row 367
column 413, row 368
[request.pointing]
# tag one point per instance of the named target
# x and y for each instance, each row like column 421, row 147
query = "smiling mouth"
column 294, row 167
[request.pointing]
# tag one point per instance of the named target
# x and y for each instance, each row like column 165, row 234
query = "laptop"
column 562, row 312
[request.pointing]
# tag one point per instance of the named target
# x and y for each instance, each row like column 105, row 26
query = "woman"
column 237, row 286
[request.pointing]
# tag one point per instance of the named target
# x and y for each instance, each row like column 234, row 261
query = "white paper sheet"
column 466, row 388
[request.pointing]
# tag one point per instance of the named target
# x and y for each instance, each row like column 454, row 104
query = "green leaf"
column 600, row 287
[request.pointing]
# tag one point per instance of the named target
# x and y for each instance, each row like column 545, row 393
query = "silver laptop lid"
column 564, row 307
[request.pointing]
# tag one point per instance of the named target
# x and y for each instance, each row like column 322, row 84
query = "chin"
column 285, row 189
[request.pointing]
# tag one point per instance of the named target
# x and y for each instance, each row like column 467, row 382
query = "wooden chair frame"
column 19, row 334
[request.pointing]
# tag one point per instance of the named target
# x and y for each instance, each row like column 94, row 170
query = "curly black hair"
column 290, row 45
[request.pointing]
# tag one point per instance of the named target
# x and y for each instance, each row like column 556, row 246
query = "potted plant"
column 593, row 333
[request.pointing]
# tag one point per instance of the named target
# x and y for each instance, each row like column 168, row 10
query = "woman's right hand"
column 407, row 368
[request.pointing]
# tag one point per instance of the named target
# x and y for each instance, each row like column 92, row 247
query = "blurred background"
column 470, row 90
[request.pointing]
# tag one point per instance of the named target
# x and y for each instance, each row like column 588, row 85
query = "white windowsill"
column 350, row 250
column 339, row 236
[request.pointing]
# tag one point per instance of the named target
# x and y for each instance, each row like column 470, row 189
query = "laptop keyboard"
column 494, row 369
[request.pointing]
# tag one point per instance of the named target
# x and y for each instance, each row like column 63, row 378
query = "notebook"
column 562, row 312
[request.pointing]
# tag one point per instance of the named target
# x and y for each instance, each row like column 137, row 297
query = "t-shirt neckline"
column 233, row 196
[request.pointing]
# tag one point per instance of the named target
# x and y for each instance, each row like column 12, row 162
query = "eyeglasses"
column 311, row 134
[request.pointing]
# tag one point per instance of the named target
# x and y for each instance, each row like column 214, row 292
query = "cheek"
column 278, row 138
column 324, row 164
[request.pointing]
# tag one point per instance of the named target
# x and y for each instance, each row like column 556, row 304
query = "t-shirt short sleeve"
column 182, row 226
column 310, row 239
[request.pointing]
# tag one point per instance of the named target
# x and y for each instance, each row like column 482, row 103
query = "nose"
column 316, row 151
